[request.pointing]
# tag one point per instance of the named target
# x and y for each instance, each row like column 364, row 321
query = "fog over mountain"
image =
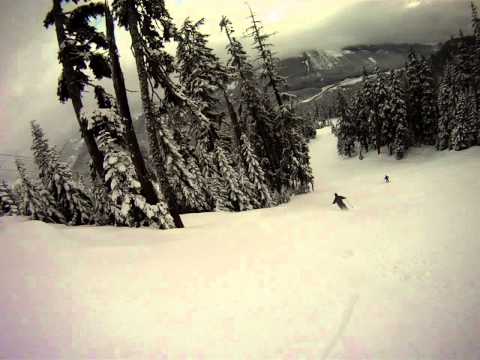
column 29, row 69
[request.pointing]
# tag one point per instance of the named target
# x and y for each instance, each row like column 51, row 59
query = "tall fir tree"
column 460, row 133
column 361, row 116
column 256, row 111
column 380, row 109
column 414, row 97
column 202, row 75
column 428, row 103
column 80, row 48
column 388, row 123
column 151, row 27
column 464, row 63
column 204, row 78
column 268, row 62
column 74, row 203
column 446, row 108
column 476, row 50
column 397, row 119
column 345, row 129
column 119, row 86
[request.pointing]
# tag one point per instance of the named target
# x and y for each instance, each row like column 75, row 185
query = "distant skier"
column 387, row 179
column 339, row 201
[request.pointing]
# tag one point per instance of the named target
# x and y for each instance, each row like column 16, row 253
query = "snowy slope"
column 395, row 278
column 328, row 88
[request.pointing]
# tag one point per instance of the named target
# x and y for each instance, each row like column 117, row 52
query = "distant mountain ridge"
column 318, row 68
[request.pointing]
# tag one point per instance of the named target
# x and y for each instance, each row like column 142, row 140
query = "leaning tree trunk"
column 138, row 53
column 75, row 93
column 148, row 191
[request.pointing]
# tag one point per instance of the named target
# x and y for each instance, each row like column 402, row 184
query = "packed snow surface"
column 396, row 277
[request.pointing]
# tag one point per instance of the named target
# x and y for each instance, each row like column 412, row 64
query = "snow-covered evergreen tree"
column 428, row 103
column 81, row 48
column 8, row 203
column 472, row 118
column 257, row 115
column 345, row 129
column 151, row 27
column 388, row 123
column 379, row 109
column 446, row 108
column 35, row 201
column 461, row 131
column 414, row 96
column 476, row 50
column 287, row 124
column 464, row 64
column 255, row 174
column 155, row 67
column 269, row 63
column 398, row 117
column 202, row 75
column 421, row 101
column 295, row 172
column 402, row 139
column 122, row 103
column 233, row 193
column 71, row 200
column 128, row 206
column 361, row 118
column 188, row 189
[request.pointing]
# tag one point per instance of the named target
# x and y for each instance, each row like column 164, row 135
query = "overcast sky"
column 28, row 60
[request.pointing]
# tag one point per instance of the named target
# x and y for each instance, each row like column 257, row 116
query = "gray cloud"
column 29, row 69
column 381, row 21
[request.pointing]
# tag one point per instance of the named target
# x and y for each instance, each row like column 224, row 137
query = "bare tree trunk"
column 138, row 53
column 75, row 94
column 121, row 94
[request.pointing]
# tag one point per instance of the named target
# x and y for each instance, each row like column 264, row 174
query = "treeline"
column 410, row 107
column 200, row 158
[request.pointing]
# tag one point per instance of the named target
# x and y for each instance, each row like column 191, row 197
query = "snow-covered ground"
column 395, row 278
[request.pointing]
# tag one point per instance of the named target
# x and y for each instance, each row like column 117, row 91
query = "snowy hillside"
column 394, row 278
column 329, row 88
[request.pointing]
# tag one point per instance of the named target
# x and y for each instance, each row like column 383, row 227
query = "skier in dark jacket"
column 387, row 179
column 339, row 201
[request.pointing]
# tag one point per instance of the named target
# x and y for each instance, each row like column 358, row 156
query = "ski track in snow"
column 394, row 278
column 325, row 89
